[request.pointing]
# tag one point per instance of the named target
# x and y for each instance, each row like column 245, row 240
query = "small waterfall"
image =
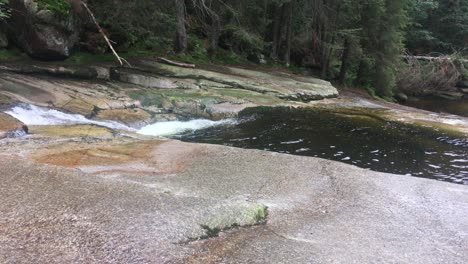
column 39, row 116
column 179, row 127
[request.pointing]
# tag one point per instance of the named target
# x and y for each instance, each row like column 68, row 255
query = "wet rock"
column 464, row 90
column 225, row 110
column 80, row 131
column 130, row 117
column 141, row 79
column 11, row 127
column 401, row 97
column 103, row 72
column 41, row 33
column 78, row 106
column 462, row 84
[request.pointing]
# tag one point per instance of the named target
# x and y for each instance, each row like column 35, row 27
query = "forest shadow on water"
column 359, row 139
column 434, row 104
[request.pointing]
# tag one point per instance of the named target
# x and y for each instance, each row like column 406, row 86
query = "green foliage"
column 383, row 22
column 142, row 21
column 320, row 33
column 230, row 58
column 437, row 26
column 60, row 8
column 196, row 52
column 261, row 215
column 240, row 40
column 211, row 232
column 10, row 54
column 4, row 9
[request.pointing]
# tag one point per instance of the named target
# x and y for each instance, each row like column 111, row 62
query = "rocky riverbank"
column 97, row 198
column 86, row 193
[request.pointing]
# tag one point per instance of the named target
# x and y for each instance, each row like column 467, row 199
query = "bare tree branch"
column 120, row 59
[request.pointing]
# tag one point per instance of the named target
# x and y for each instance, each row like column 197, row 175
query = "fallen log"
column 428, row 58
column 175, row 63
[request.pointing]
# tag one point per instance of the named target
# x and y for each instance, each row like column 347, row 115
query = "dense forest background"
column 353, row 42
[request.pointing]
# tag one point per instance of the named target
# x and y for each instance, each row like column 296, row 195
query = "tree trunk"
column 289, row 29
column 345, row 60
column 214, row 34
column 362, row 78
column 181, row 33
column 276, row 32
column 428, row 58
column 324, row 49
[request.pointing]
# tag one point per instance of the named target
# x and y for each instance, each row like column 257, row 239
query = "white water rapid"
column 39, row 116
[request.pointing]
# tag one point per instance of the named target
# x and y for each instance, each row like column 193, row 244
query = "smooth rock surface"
column 87, row 194
column 130, row 117
column 132, row 201
column 281, row 85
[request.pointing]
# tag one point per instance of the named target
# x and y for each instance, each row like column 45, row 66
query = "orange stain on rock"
column 148, row 157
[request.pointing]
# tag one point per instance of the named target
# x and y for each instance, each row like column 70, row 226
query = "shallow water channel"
column 362, row 140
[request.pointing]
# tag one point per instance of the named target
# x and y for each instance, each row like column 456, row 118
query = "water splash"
column 38, row 116
column 179, row 127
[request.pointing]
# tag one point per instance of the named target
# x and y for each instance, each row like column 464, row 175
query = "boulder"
column 11, row 127
column 41, row 33
column 141, row 79
column 462, row 84
column 402, row 97
column 257, row 58
column 130, row 117
column 464, row 90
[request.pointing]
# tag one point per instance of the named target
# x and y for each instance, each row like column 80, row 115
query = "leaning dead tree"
column 428, row 74
column 121, row 60
column 175, row 63
column 428, row 58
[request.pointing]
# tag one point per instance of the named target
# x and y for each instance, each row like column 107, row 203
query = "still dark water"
column 439, row 105
column 355, row 139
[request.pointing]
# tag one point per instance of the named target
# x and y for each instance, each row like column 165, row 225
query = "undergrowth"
column 60, row 8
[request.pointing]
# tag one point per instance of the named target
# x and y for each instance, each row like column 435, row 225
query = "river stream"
column 359, row 140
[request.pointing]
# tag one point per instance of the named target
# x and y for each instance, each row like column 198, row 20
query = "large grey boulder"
column 40, row 33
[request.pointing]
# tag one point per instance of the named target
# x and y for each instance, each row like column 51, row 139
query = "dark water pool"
column 439, row 105
column 361, row 140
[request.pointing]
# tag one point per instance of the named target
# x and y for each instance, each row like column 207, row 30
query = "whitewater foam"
column 34, row 115
column 39, row 116
column 179, row 127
